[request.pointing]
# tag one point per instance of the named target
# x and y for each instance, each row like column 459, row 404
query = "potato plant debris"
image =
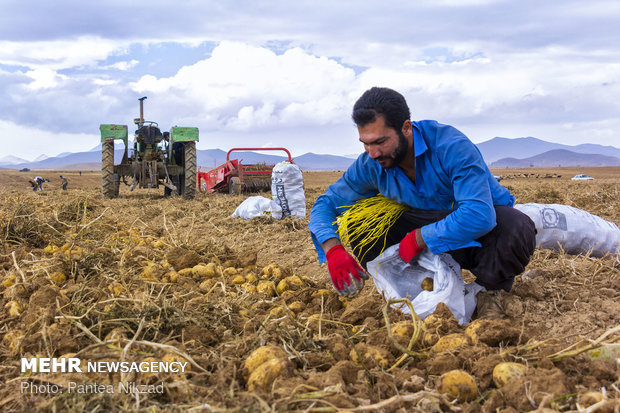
column 143, row 278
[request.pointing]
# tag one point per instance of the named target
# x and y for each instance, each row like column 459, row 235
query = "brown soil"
column 113, row 280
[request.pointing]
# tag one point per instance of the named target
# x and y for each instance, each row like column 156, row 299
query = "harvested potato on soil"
column 459, row 384
column 402, row 332
column 14, row 308
column 266, row 287
column 504, row 372
column 493, row 332
column 261, row 355
column 205, row 270
column 263, row 377
column 371, row 356
column 450, row 342
column 238, row 280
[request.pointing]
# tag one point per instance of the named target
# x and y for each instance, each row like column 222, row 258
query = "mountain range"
column 524, row 153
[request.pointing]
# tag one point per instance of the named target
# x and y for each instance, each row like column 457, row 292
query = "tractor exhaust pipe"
column 141, row 110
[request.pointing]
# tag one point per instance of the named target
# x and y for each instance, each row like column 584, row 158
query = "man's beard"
column 393, row 160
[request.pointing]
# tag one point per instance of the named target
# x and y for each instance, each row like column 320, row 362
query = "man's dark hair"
column 381, row 101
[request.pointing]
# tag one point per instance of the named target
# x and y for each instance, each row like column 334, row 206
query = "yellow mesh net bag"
column 368, row 221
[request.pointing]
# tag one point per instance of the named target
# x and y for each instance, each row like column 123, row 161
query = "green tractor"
column 167, row 159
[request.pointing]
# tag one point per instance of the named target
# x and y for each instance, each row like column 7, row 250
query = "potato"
column 364, row 354
column 14, row 308
column 427, row 284
column 504, row 372
column 263, row 377
column 289, row 283
column 204, row 270
column 9, row 281
column 151, row 272
column 230, row 271
column 459, row 384
column 450, row 342
column 74, row 253
column 238, row 280
column 159, row 243
column 297, row 306
column 282, row 286
column 57, row 277
column 206, row 285
column 50, row 249
column 439, row 324
column 294, row 282
column 476, row 328
column 251, row 277
column 261, row 355
column 272, row 271
column 430, row 339
column 323, row 292
column 402, row 332
column 266, row 287
column 277, row 312
column 13, row 339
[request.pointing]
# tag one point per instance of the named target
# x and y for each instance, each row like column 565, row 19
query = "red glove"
column 408, row 248
column 341, row 266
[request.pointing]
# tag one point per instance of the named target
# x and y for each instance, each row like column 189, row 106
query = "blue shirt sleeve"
column 351, row 187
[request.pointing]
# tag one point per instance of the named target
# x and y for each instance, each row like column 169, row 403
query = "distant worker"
column 165, row 142
column 456, row 205
column 39, row 180
column 64, row 182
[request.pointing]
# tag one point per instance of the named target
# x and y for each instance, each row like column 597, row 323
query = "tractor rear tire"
column 108, row 186
column 189, row 187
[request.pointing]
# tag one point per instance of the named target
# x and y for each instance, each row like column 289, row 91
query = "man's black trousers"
column 504, row 253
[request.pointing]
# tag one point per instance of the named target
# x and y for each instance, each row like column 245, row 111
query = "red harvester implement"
column 234, row 177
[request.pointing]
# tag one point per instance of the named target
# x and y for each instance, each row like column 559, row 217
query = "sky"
column 287, row 73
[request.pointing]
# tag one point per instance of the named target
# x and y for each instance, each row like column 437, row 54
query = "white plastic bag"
column 258, row 206
column 287, row 189
column 573, row 229
column 394, row 278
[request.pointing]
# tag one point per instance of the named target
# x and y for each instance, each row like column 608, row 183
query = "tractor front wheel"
column 189, row 184
column 108, row 185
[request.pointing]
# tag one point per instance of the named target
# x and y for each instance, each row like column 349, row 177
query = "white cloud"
column 244, row 87
column 30, row 142
column 43, row 78
column 58, row 54
column 124, row 65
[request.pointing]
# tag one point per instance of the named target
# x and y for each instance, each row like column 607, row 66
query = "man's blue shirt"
column 450, row 174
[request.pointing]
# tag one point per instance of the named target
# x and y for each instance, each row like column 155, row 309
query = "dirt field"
column 147, row 278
